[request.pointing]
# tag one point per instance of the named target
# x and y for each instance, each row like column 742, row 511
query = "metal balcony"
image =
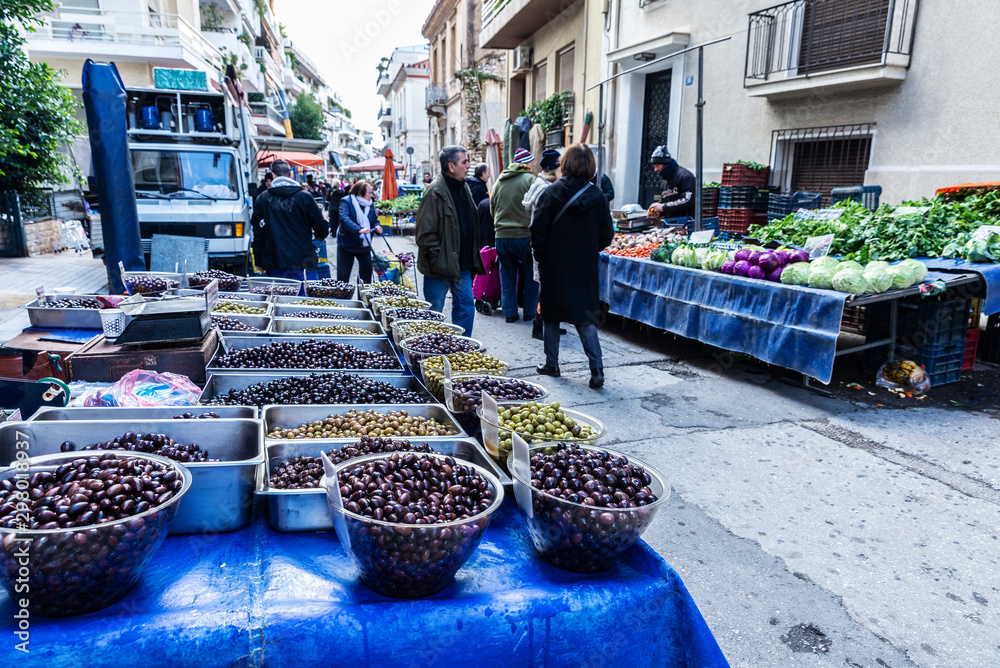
column 508, row 23
column 435, row 98
column 385, row 117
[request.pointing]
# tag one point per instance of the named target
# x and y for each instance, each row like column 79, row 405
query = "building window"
column 565, row 64
column 820, row 159
column 837, row 34
column 541, row 70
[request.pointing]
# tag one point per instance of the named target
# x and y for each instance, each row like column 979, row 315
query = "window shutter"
column 540, row 73
column 838, row 34
column 566, row 69
column 821, row 165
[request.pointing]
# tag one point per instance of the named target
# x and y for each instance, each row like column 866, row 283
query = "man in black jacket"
column 477, row 183
column 285, row 220
column 333, row 198
column 677, row 186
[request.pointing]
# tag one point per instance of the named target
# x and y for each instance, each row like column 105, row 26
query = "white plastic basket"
column 113, row 323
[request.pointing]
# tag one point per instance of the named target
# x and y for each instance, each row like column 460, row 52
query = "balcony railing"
column 807, row 37
column 269, row 110
column 436, row 95
column 491, row 8
column 264, row 56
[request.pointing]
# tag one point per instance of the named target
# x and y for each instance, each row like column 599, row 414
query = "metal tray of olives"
column 285, row 311
column 49, row 413
column 221, row 496
column 292, row 510
column 372, row 344
column 288, row 417
column 220, row 384
column 261, row 322
column 287, row 327
column 224, row 296
column 267, row 306
column 63, row 318
column 283, row 300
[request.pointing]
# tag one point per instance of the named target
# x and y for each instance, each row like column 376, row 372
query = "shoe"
column 546, row 370
column 528, row 317
column 514, row 319
column 536, row 330
column 562, row 331
column 596, row 379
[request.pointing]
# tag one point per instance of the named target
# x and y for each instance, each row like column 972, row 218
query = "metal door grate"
column 821, row 158
column 656, row 120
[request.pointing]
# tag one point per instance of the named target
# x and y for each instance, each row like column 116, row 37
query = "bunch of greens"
column 982, row 248
column 755, row 166
column 405, row 204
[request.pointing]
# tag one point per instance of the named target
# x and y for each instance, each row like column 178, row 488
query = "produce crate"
column 744, row 197
column 867, row 195
column 855, row 319
column 735, row 174
column 738, row 221
column 943, row 363
column 923, row 323
column 971, row 344
column 709, row 202
column 989, row 351
column 780, row 206
column 975, row 314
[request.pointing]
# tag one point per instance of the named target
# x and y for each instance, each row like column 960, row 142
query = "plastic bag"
column 142, row 389
column 905, row 376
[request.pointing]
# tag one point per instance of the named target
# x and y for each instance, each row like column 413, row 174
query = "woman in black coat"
column 358, row 220
column 570, row 226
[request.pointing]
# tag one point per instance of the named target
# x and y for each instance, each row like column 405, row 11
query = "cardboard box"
column 100, row 361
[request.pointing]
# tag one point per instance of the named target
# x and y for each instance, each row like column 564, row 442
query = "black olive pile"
column 212, row 415
column 587, row 538
column 440, row 344
column 225, row 323
column 411, row 313
column 309, row 354
column 319, row 388
column 155, row 444
column 227, row 281
column 329, row 287
column 387, row 291
column 75, row 571
column 285, row 290
column 467, row 393
column 70, row 303
column 149, row 285
column 415, row 558
column 305, row 472
column 321, row 315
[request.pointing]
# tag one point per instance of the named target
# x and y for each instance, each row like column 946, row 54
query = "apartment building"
column 465, row 97
column 403, row 120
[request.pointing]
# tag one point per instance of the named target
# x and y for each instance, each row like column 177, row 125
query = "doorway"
column 655, row 122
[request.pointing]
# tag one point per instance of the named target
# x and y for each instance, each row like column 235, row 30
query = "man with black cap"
column 678, row 186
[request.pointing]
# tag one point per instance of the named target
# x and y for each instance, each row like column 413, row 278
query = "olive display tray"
column 369, row 344
column 283, row 300
column 50, row 413
column 286, row 311
column 261, row 322
column 267, row 306
column 225, row 296
column 219, row 384
column 289, row 417
column 221, row 495
column 287, row 327
column 63, row 318
column 292, row 510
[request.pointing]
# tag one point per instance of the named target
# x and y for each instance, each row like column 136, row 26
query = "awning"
column 336, row 160
column 296, row 158
column 376, row 164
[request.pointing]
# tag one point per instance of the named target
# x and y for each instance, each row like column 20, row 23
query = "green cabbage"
column 853, row 282
column 880, row 280
column 713, row 259
column 850, row 265
column 685, row 257
column 901, row 279
column 796, row 274
column 825, row 261
column 878, row 265
column 916, row 268
column 821, row 277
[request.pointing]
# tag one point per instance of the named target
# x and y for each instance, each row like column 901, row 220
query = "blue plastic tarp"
column 104, row 99
column 259, row 598
column 990, row 274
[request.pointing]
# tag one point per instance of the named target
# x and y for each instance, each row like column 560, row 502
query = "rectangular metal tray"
column 158, row 413
column 267, row 306
column 190, row 292
column 370, row 344
column 283, row 300
column 285, row 311
column 293, row 416
column 221, row 495
column 291, row 510
column 63, row 318
column 261, row 322
column 220, row 384
column 286, row 327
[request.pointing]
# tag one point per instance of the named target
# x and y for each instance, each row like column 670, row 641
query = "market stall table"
column 257, row 597
column 787, row 325
column 990, row 274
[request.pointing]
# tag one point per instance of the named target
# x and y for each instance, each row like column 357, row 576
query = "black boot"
column 536, row 329
column 596, row 379
column 547, row 370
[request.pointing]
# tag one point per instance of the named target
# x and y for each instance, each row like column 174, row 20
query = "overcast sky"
column 346, row 39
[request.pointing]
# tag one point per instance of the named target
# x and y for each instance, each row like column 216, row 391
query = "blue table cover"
column 990, row 274
column 259, row 598
column 791, row 326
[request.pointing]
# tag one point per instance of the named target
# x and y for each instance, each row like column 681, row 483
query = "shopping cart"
column 486, row 287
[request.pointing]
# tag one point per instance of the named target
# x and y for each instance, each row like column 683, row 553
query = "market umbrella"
column 492, row 157
column 376, row 164
column 389, row 189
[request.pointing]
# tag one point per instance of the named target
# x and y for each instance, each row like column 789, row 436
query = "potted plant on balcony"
column 550, row 114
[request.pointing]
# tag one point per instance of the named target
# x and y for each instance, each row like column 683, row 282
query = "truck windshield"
column 185, row 174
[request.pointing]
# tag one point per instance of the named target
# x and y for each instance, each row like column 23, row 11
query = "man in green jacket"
column 447, row 237
column 513, row 241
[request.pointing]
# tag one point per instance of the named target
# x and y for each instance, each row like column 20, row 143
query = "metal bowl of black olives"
column 585, row 506
column 265, row 285
column 464, row 393
column 151, row 283
column 409, row 534
column 80, row 527
column 422, row 346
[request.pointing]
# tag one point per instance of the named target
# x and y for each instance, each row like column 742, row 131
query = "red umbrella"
column 389, row 189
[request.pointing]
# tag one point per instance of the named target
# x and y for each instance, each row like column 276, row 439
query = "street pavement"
column 810, row 531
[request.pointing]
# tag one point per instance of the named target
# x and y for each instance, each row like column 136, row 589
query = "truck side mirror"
column 253, row 191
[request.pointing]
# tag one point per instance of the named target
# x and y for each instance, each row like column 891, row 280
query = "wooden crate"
column 100, row 361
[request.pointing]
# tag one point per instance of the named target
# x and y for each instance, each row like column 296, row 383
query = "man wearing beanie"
column 513, row 242
column 677, row 185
